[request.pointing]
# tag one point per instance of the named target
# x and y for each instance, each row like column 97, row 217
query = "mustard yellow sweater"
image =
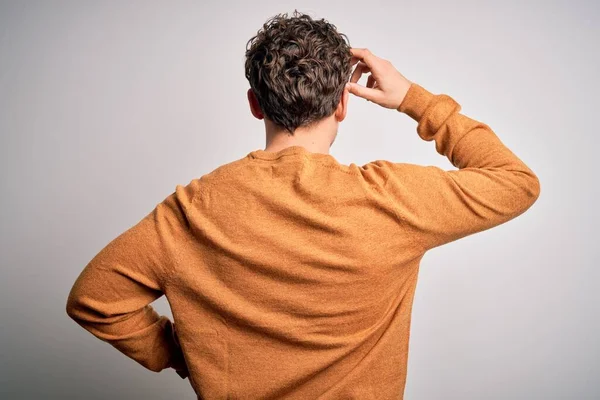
column 290, row 275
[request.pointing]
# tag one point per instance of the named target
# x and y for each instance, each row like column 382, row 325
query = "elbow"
column 533, row 188
column 530, row 192
column 72, row 307
column 536, row 189
column 529, row 185
column 525, row 193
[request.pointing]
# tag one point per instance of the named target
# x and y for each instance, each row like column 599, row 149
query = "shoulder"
column 378, row 171
column 225, row 171
column 223, row 174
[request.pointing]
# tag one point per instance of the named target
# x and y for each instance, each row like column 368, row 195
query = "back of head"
column 297, row 68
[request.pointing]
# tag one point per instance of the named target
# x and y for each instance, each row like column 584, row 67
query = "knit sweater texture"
column 290, row 275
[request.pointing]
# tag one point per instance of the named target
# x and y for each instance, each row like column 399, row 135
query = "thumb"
column 364, row 92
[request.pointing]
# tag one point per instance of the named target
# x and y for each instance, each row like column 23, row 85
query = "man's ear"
column 342, row 108
column 254, row 106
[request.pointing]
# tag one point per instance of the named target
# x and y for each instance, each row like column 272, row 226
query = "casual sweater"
column 291, row 275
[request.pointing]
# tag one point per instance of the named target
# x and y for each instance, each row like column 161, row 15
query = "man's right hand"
column 386, row 86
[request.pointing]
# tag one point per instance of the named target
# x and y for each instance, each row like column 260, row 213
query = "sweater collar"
column 290, row 150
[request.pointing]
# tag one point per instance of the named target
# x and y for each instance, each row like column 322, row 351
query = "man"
column 290, row 275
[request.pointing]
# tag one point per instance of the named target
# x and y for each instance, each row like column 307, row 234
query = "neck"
column 317, row 139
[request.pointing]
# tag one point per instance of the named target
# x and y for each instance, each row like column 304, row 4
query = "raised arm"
column 491, row 186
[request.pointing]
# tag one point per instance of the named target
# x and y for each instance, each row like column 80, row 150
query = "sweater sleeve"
column 491, row 186
column 111, row 297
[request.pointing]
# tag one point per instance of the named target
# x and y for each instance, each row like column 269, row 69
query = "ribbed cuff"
column 415, row 101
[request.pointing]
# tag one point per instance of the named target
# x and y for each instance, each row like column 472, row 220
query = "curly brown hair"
column 297, row 68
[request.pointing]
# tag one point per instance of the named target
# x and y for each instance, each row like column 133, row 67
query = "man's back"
column 306, row 279
column 291, row 275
